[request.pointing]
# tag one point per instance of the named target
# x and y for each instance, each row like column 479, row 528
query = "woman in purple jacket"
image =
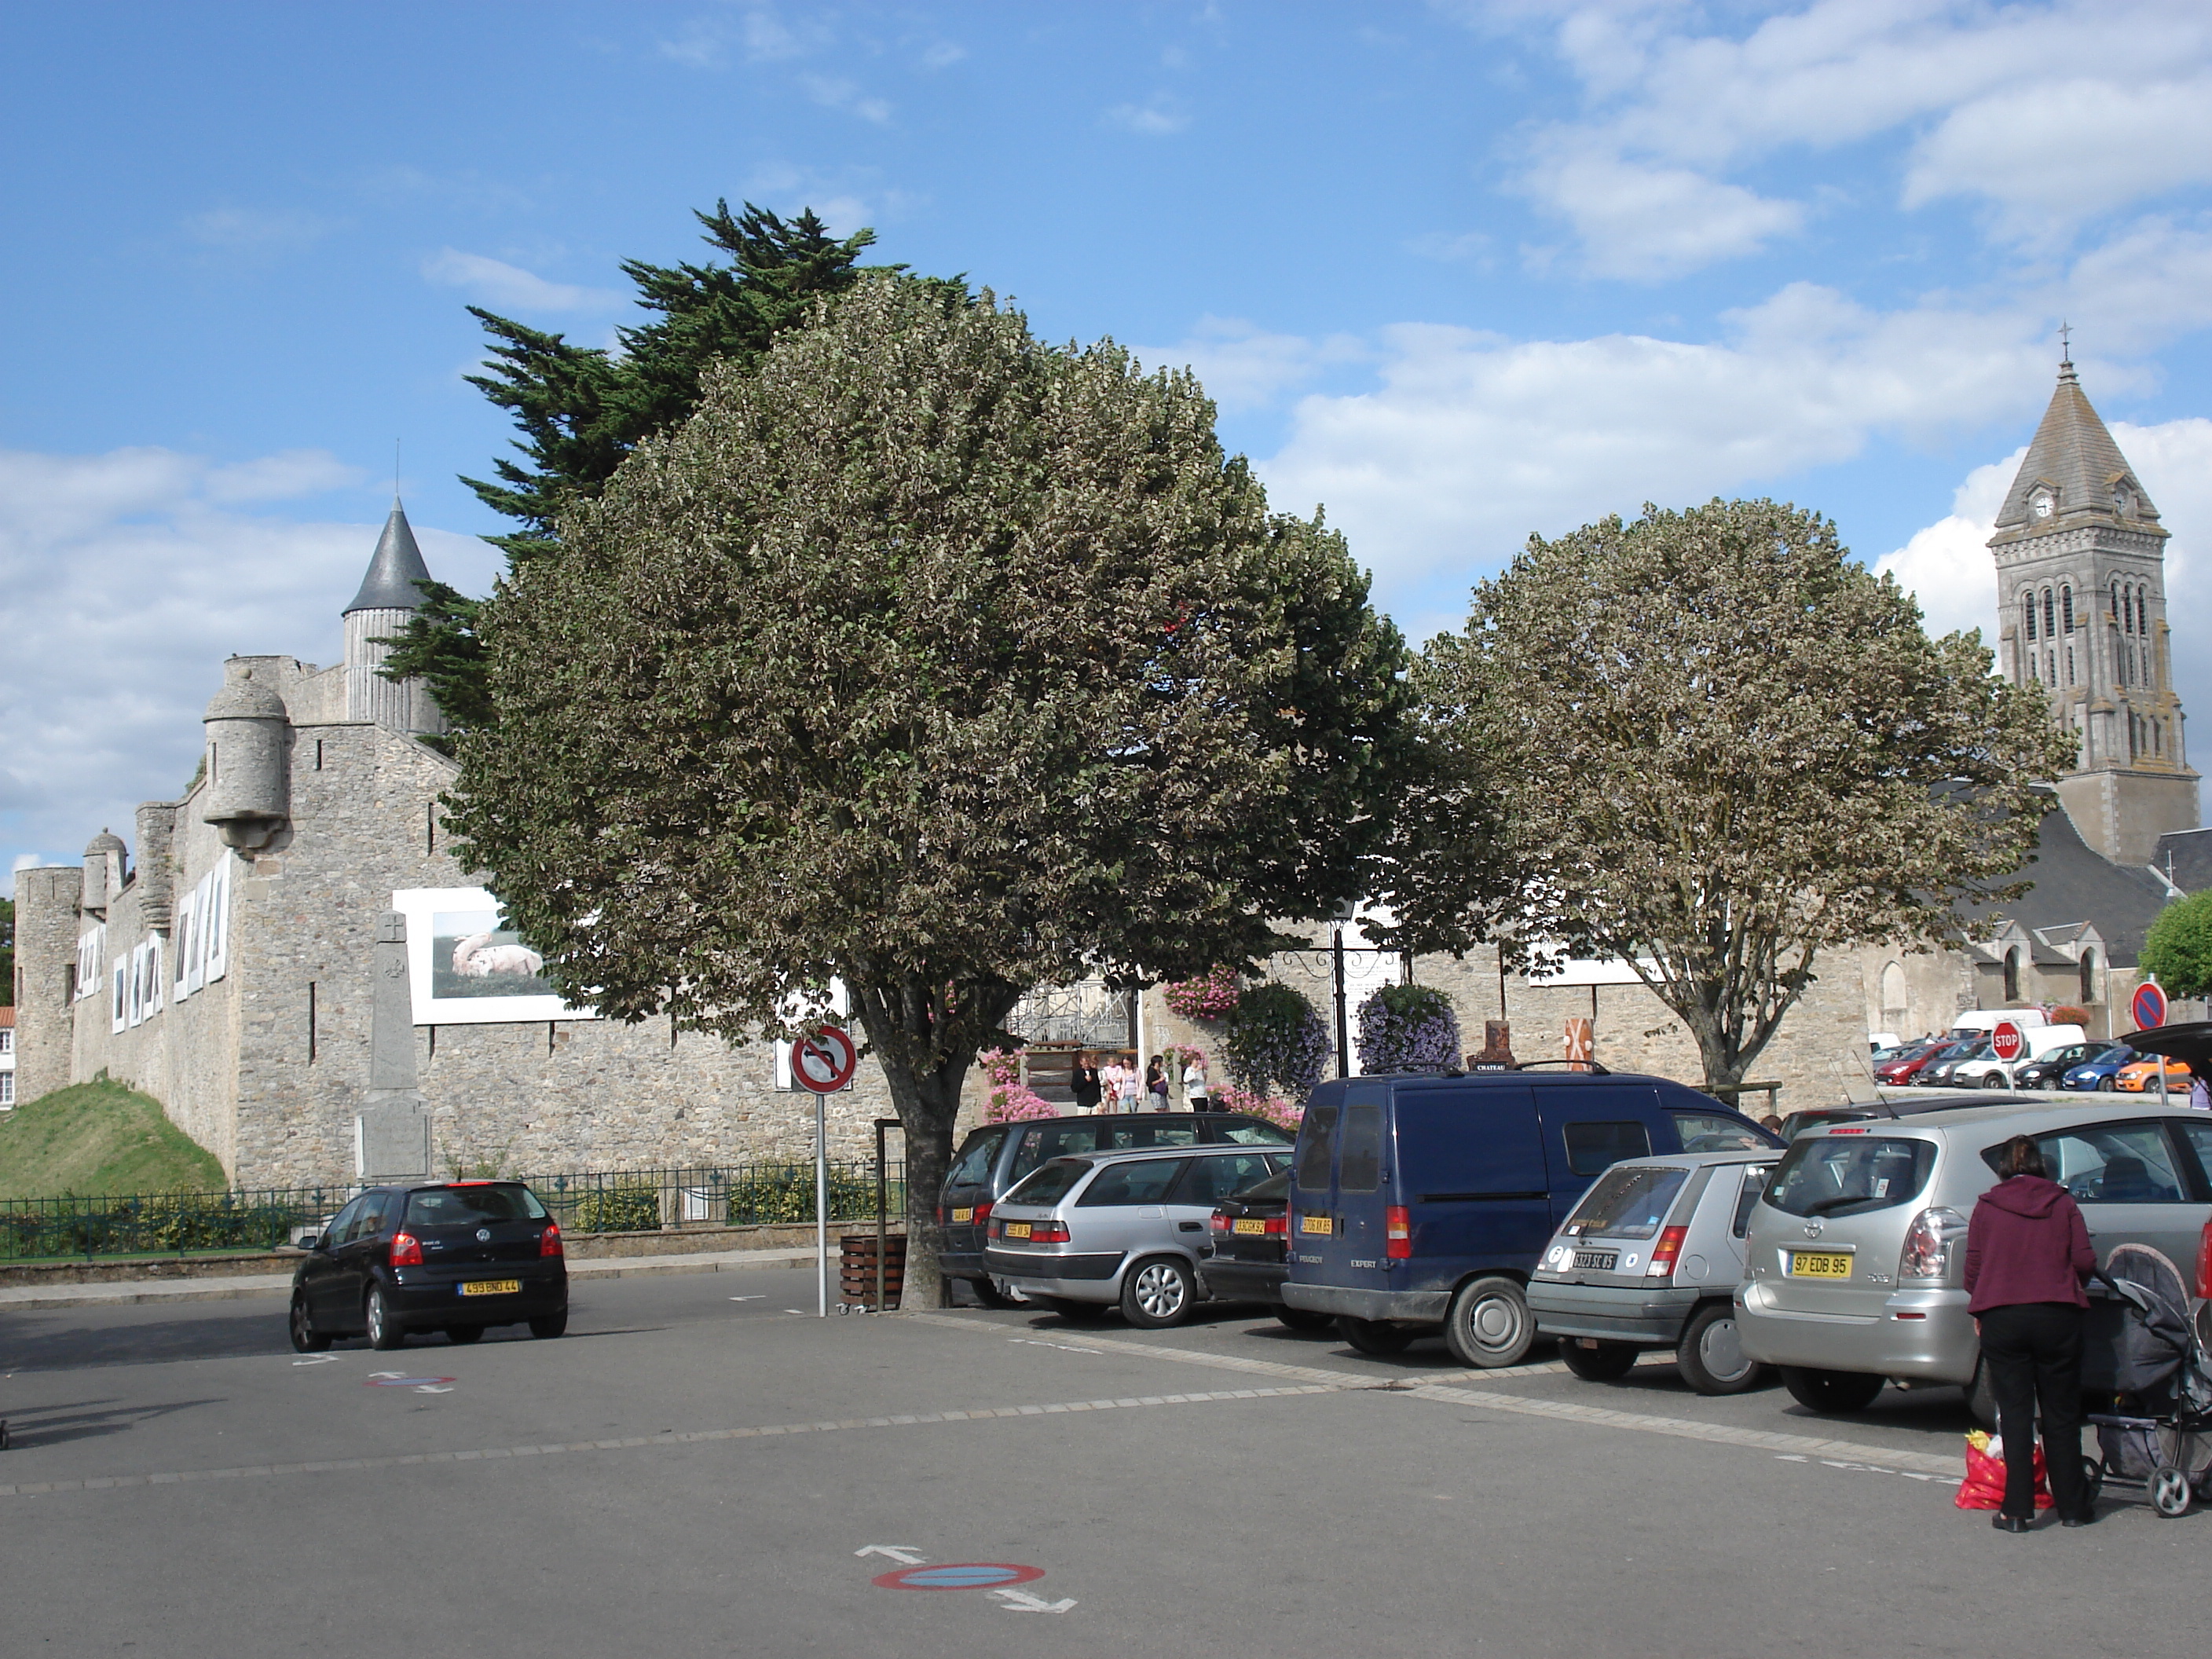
column 2027, row 1257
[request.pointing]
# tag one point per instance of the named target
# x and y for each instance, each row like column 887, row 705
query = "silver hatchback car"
column 1857, row 1250
column 1650, row 1259
column 1122, row 1229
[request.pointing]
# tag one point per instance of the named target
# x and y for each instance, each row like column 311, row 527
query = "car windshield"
column 472, row 1206
column 1051, row 1183
column 1850, row 1174
column 2119, row 1055
column 1626, row 1202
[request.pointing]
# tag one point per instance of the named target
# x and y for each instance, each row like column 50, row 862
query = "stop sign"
column 2007, row 1043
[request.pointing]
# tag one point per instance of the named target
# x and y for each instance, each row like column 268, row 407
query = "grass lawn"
column 95, row 1139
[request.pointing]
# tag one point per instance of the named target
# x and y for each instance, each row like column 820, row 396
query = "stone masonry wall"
column 46, row 959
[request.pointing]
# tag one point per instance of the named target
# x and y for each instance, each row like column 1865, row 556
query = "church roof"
column 393, row 570
column 2075, row 458
column 2072, row 882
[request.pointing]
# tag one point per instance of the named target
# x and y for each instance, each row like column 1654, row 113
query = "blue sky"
column 1460, row 272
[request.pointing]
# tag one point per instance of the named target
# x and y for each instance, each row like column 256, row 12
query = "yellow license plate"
column 1017, row 1230
column 965, row 1213
column 1819, row 1264
column 1247, row 1227
column 1317, row 1223
column 492, row 1287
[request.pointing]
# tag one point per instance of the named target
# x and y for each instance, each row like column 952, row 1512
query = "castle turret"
column 2080, row 559
column 104, row 857
column 389, row 598
column 249, row 767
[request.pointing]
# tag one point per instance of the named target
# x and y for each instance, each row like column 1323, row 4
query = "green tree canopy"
column 2178, row 951
column 934, row 660
column 1710, row 744
column 581, row 409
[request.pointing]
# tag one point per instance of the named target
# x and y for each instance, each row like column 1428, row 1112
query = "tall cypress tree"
column 581, row 410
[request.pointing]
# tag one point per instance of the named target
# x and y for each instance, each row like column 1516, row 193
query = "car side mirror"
column 311, row 1241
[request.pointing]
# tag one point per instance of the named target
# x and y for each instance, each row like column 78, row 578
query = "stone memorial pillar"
column 392, row 1136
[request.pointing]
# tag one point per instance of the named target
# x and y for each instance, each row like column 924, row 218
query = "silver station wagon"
column 1855, row 1255
column 1122, row 1230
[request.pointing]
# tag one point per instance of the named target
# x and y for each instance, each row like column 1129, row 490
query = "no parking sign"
column 2147, row 1007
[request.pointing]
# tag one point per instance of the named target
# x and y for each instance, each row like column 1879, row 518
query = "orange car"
column 2139, row 1075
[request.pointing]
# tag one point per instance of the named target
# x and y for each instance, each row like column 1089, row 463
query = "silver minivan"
column 1087, row 1235
column 1856, row 1254
column 1650, row 1258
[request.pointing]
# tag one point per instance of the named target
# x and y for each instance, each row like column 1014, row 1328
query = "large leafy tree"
column 935, row 660
column 2178, row 950
column 1710, row 744
column 581, row 409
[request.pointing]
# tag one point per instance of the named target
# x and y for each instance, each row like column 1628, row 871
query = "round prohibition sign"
column 956, row 1576
column 825, row 1061
column 2147, row 1006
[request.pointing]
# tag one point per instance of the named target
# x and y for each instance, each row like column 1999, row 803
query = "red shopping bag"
column 1983, row 1486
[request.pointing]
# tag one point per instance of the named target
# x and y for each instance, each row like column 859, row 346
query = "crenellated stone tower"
column 2080, row 560
column 388, row 599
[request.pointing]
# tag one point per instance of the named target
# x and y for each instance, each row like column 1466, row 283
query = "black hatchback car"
column 1247, row 1255
column 994, row 1157
column 457, row 1256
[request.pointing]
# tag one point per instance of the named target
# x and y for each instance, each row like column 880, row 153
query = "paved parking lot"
column 694, row 1468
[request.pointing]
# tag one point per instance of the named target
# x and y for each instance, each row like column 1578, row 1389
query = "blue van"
column 1425, row 1202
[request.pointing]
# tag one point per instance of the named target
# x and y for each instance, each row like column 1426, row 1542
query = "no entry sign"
column 825, row 1061
column 2007, row 1041
column 2147, row 1006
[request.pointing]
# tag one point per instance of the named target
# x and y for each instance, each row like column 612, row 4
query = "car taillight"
column 1927, row 1253
column 1218, row 1222
column 1397, row 1233
column 983, row 1213
column 549, row 1242
column 406, row 1250
column 1279, row 1225
column 1048, row 1232
column 1664, row 1252
column 2204, row 1261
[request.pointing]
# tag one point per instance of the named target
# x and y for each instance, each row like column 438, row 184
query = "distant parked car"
column 457, row 1256
column 1247, row 1256
column 1905, row 1065
column 1650, row 1259
column 1937, row 1072
column 2097, row 1072
column 2050, row 1070
column 2140, row 1076
column 1122, row 1230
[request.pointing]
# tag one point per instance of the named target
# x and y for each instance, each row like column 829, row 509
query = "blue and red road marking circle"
column 956, row 1576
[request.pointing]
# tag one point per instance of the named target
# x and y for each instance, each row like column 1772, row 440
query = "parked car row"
column 1970, row 1062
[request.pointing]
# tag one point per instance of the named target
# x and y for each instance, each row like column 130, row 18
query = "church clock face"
column 2040, row 503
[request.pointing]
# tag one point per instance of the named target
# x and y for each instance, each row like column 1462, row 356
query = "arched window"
column 2028, row 606
column 2012, row 975
column 1893, row 996
column 2088, row 977
column 2116, row 602
column 2066, row 606
column 2050, row 615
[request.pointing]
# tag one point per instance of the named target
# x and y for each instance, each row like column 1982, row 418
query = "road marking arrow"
column 1022, row 1602
column 762, row 1297
column 428, row 1388
column 904, row 1554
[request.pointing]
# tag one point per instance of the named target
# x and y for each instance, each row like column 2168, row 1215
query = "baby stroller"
column 2145, row 1381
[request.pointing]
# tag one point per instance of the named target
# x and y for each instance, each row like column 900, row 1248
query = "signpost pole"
column 822, row 1207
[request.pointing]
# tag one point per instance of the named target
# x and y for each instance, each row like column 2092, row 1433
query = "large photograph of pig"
column 472, row 955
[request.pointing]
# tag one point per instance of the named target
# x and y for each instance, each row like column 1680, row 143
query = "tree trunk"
column 926, row 1108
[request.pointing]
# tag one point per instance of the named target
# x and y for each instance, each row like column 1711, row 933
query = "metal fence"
column 589, row 1201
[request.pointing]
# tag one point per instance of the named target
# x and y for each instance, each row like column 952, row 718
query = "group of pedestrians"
column 1114, row 1086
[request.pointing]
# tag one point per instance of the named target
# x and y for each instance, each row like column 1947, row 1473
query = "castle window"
column 2012, row 975
column 2088, row 977
column 2066, row 608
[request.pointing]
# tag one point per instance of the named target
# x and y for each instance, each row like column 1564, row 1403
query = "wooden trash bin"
column 856, row 1270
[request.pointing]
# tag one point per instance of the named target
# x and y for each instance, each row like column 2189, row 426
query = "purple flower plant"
column 1408, row 1028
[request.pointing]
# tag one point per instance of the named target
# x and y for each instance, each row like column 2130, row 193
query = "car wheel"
column 550, row 1325
column 1374, row 1336
column 1598, row 1362
column 1488, row 1323
column 1079, row 1313
column 464, row 1335
column 1711, row 1357
column 384, row 1331
column 306, row 1338
column 1157, row 1293
column 1831, row 1391
column 2107, row 1086
column 1303, row 1319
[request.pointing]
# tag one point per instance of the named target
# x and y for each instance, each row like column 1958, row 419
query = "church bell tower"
column 2080, row 560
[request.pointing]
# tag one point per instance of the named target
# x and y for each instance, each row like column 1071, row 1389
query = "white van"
column 1988, row 1072
column 1980, row 1022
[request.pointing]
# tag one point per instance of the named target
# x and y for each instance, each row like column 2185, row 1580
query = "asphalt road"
column 693, row 1468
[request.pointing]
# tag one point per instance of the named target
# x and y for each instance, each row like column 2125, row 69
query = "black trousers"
column 2034, row 1351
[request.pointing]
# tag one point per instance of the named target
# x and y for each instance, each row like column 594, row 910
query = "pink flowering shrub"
column 1009, row 1100
column 1232, row 1097
column 1209, row 996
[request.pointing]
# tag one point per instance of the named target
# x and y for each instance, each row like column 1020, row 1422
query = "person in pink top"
column 2028, row 1255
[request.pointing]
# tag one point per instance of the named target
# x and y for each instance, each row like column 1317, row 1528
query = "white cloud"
column 1242, row 366
column 1642, row 221
column 832, row 92
column 124, row 580
column 1947, row 566
column 249, row 229
column 1158, row 119
column 943, row 55
column 510, row 288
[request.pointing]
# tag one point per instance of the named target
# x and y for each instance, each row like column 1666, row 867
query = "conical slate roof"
column 2074, row 457
column 392, row 573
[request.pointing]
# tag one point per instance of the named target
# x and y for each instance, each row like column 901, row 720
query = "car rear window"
column 465, row 1206
column 972, row 1167
column 1360, row 1167
column 1850, row 1174
column 1145, row 1181
column 1276, row 1188
column 1627, row 1203
column 1251, row 1132
column 1593, row 1148
column 1318, row 1136
column 1050, row 1184
column 1713, row 1132
column 1210, row 1180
